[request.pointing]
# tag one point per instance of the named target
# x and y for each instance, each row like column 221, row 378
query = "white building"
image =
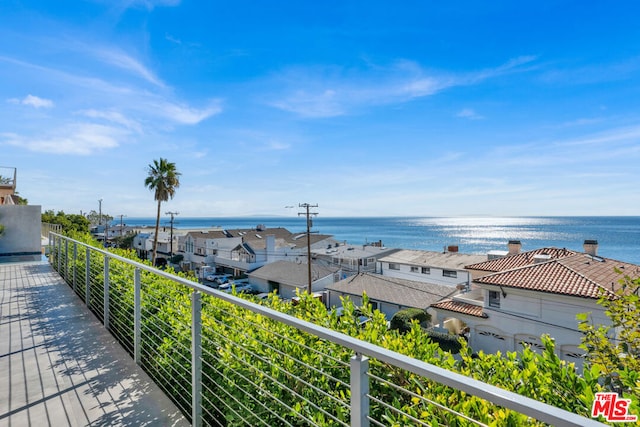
column 518, row 298
column 239, row 251
column 262, row 245
column 441, row 268
column 352, row 259
column 143, row 244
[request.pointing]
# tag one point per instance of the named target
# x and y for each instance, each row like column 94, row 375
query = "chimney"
column 591, row 247
column 514, row 247
column 270, row 247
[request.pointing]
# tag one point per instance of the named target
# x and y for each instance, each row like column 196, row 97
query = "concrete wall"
column 22, row 231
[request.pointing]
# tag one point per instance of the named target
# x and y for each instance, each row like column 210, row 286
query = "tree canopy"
column 69, row 222
column 614, row 350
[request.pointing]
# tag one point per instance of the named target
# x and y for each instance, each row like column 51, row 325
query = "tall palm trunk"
column 155, row 236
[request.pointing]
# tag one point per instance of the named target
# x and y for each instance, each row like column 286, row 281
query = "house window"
column 426, row 270
column 494, row 299
column 414, row 269
column 449, row 273
column 394, row 266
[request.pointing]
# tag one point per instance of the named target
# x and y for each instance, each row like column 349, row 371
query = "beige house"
column 518, row 298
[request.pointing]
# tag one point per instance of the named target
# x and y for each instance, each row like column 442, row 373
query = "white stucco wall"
column 22, row 229
column 435, row 274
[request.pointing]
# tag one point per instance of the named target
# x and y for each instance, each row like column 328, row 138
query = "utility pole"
column 121, row 226
column 308, row 214
column 171, row 242
column 100, row 210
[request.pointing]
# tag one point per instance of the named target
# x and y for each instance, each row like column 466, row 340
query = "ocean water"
column 618, row 237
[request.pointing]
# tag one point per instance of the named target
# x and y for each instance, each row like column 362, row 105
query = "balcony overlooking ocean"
column 92, row 338
column 59, row 366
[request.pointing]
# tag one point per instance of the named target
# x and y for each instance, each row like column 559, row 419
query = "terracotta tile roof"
column 510, row 262
column 579, row 275
column 460, row 307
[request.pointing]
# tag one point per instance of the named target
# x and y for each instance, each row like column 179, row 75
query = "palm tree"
column 163, row 180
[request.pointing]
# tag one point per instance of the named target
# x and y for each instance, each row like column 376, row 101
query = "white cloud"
column 76, row 139
column 33, row 101
column 330, row 92
column 148, row 4
column 126, row 62
column 113, row 116
column 172, row 39
column 184, row 114
column 469, row 113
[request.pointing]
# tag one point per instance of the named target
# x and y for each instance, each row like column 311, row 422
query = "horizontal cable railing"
column 226, row 360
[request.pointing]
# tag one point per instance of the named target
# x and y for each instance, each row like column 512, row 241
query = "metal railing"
column 225, row 360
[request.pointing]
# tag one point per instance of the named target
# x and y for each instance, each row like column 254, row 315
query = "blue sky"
column 364, row 108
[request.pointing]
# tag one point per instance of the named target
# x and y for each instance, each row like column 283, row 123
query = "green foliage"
column 258, row 371
column 95, row 218
column 176, row 259
column 403, row 319
column 70, row 222
column 446, row 341
column 124, row 242
column 613, row 351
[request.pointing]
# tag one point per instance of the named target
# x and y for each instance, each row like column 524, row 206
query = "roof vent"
column 539, row 258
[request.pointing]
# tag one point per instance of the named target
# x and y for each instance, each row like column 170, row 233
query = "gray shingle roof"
column 407, row 293
column 448, row 260
column 291, row 273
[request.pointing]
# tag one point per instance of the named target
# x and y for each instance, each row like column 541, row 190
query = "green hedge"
column 446, row 341
column 403, row 319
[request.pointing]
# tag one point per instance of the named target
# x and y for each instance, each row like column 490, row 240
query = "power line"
column 308, row 214
column 171, row 242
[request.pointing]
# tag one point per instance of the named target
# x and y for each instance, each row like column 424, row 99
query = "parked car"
column 241, row 287
column 218, row 279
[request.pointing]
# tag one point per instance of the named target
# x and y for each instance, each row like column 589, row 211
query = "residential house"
column 441, row 268
column 518, row 298
column 387, row 294
column 287, row 277
column 352, row 259
column 263, row 245
column 200, row 247
column 143, row 244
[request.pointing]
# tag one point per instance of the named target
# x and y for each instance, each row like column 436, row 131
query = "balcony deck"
column 59, row 366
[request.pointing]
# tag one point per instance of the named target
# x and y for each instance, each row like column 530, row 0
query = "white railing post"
column 87, row 276
column 59, row 257
column 106, row 292
column 196, row 359
column 66, row 260
column 137, row 316
column 75, row 260
column 359, row 391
